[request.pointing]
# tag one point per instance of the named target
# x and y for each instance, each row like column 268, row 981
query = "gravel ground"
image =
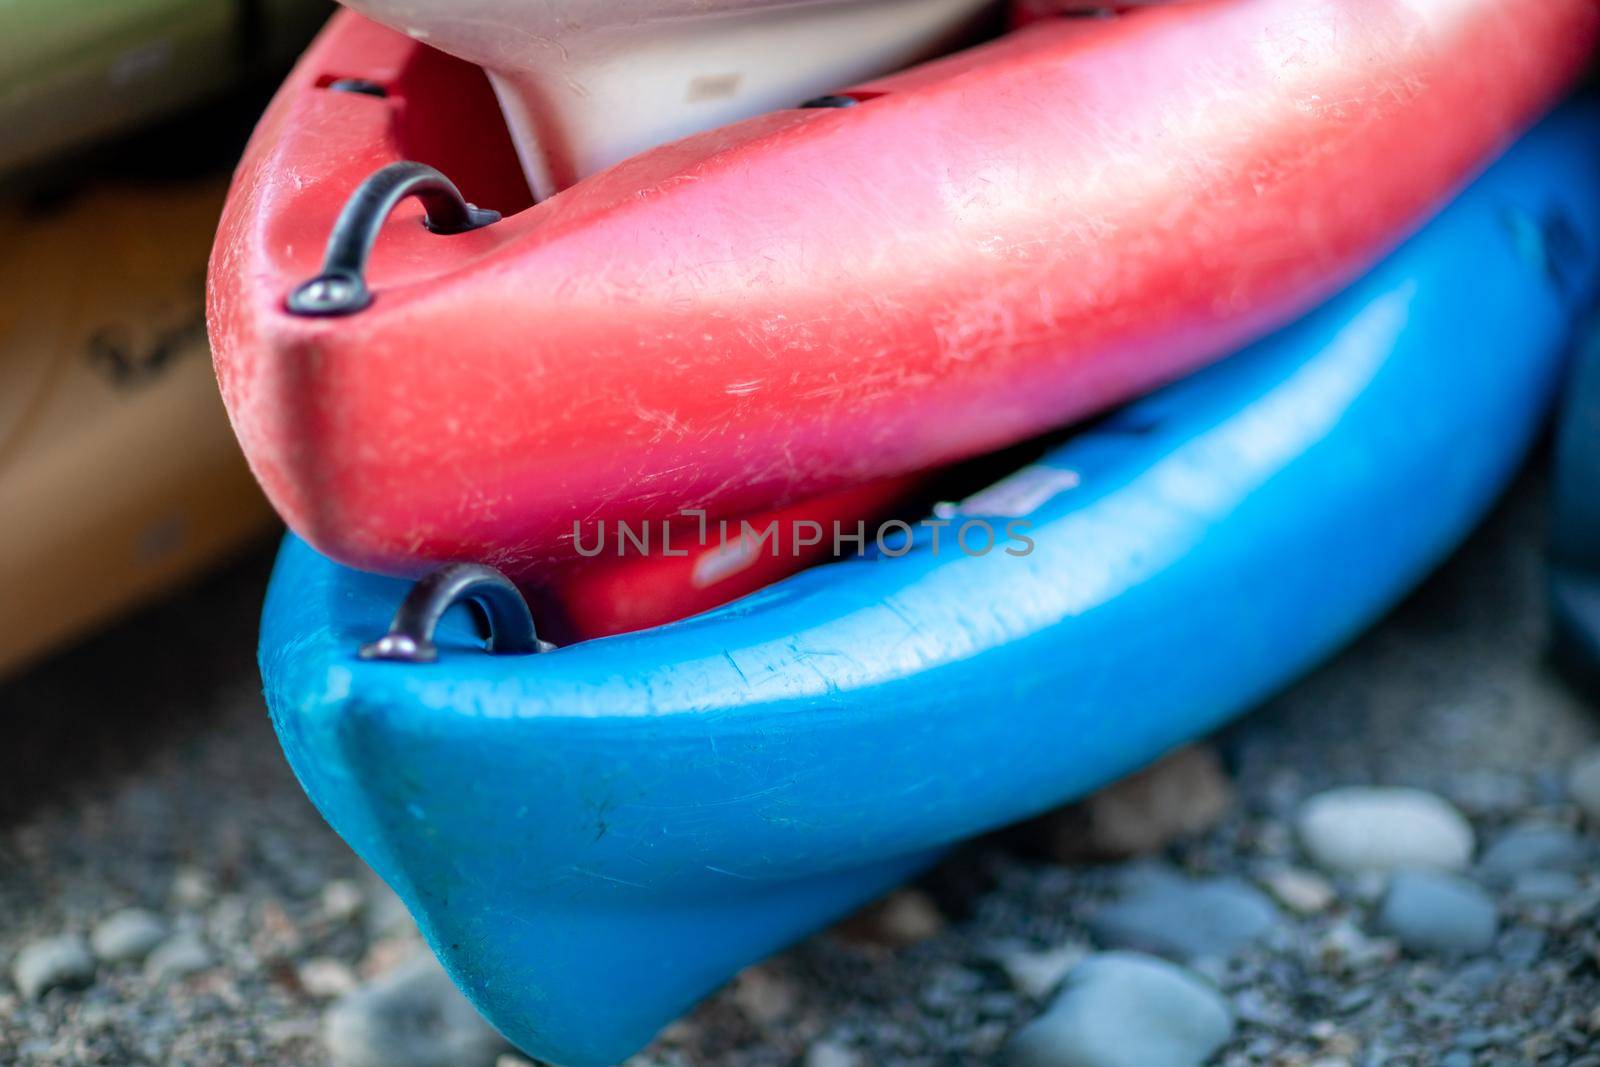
column 142, row 773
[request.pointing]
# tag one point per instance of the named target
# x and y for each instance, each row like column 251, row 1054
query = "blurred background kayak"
column 118, row 473
column 120, row 121
column 71, row 72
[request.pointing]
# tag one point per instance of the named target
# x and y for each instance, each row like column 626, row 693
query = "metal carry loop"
column 410, row 636
column 341, row 288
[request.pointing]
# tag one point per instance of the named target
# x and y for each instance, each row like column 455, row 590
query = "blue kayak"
column 595, row 837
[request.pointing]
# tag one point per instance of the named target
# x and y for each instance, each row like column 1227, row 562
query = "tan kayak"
column 118, row 473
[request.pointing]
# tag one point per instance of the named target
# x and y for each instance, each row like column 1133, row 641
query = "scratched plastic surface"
column 990, row 246
column 594, row 838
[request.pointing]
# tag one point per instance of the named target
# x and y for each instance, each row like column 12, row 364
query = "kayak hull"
column 594, row 837
column 988, row 247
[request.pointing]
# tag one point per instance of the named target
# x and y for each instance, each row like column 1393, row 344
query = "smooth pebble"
column 1301, row 891
column 1375, row 828
column 1545, row 887
column 1534, row 848
column 1440, row 914
column 1037, row 972
column 412, row 1017
column 1126, row 1009
column 342, row 900
column 829, row 1054
column 325, row 978
column 1186, row 920
column 54, row 963
column 181, row 955
column 763, row 996
column 1182, row 795
column 908, row 916
column 127, row 936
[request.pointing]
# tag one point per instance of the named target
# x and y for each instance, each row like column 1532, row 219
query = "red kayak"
column 988, row 246
column 646, row 575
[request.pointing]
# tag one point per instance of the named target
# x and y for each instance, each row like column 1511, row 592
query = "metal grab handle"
column 410, row 636
column 341, row 288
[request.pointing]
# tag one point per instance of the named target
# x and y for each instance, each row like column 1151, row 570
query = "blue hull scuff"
column 594, row 838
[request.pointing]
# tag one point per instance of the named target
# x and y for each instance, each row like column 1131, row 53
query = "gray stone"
column 324, row 978
column 829, row 1054
column 181, row 955
column 1036, row 972
column 1545, row 887
column 1583, row 784
column 1304, row 892
column 342, row 900
column 1374, row 828
column 764, row 996
column 1534, row 848
column 192, row 888
column 1142, row 874
column 1523, row 946
column 1186, row 920
column 412, row 1017
column 1180, row 796
column 1436, row 913
column 55, row 963
column 1124, row 1009
column 908, row 916
column 901, row 919
column 127, row 936
column 1483, row 791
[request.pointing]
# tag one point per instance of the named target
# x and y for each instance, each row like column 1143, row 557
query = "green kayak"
column 75, row 70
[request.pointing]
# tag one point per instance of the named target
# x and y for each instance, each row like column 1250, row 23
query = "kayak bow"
column 595, row 837
column 989, row 246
